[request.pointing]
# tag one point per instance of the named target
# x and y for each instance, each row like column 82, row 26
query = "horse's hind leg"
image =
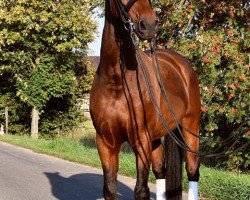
column 157, row 158
column 158, row 167
column 191, row 124
column 109, row 159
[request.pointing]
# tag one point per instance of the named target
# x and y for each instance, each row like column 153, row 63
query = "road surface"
column 25, row 175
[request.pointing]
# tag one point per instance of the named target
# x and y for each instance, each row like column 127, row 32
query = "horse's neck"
column 110, row 50
column 114, row 38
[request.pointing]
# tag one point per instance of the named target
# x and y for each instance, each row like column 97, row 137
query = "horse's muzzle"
column 145, row 29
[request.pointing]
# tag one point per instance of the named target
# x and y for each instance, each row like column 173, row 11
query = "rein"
column 123, row 12
column 180, row 142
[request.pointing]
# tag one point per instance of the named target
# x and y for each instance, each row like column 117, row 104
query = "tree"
column 41, row 43
column 214, row 35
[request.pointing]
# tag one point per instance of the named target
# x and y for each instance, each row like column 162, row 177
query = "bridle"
column 129, row 26
column 123, row 13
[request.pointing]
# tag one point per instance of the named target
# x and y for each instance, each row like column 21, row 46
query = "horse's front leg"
column 109, row 160
column 143, row 153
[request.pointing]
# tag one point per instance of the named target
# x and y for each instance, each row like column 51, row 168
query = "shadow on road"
column 83, row 187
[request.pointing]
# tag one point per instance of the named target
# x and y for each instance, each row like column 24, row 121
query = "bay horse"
column 122, row 110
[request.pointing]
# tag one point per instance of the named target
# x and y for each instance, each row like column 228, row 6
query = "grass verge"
column 214, row 184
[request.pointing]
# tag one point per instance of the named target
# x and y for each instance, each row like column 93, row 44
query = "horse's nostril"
column 142, row 25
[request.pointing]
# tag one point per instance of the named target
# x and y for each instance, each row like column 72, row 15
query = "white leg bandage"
column 193, row 190
column 160, row 189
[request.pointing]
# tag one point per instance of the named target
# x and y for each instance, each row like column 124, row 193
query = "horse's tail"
column 173, row 163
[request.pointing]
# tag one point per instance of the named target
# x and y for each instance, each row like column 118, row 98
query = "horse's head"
column 140, row 14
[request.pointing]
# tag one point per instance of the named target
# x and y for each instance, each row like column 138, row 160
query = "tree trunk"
column 6, row 120
column 34, row 123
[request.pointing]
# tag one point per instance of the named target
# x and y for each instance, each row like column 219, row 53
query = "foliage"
column 214, row 35
column 85, row 76
column 18, row 113
column 61, row 116
column 42, row 46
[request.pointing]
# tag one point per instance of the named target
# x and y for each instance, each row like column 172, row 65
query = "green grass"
column 62, row 148
column 224, row 185
column 214, row 184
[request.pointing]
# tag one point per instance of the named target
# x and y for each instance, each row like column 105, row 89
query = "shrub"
column 214, row 35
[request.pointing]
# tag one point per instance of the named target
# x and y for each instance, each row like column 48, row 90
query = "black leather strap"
column 129, row 5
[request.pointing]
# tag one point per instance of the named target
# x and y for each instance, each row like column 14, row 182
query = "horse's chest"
column 115, row 110
column 120, row 113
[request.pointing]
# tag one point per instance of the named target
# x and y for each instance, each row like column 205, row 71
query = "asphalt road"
column 25, row 175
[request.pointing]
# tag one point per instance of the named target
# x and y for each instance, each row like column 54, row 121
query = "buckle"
column 129, row 25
